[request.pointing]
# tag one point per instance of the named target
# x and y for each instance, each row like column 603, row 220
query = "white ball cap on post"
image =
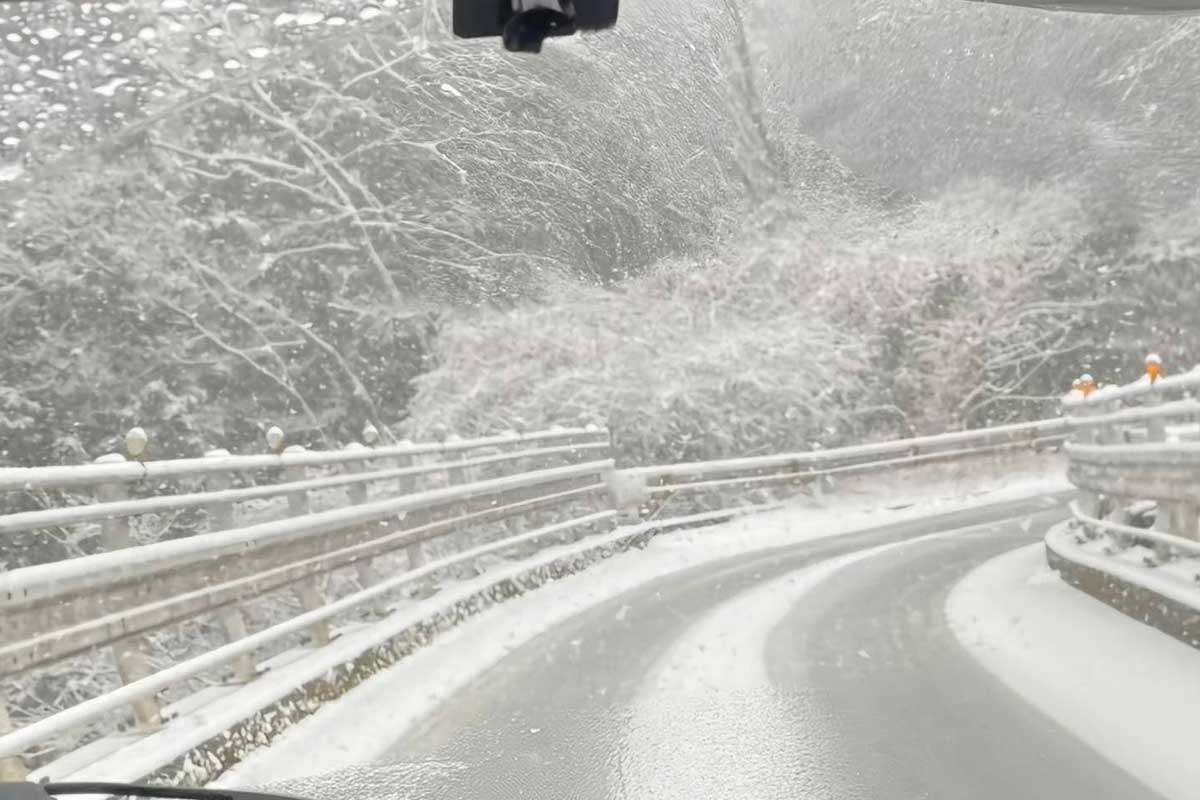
column 370, row 434
column 135, row 442
column 275, row 438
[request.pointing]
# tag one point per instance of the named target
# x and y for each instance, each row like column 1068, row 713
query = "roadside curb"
column 1090, row 574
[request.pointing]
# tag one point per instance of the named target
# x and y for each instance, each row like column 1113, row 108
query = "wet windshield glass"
column 218, row 213
column 722, row 229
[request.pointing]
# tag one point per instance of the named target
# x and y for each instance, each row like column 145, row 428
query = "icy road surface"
column 823, row 670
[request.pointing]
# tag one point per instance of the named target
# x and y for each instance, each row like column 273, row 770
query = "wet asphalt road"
column 858, row 690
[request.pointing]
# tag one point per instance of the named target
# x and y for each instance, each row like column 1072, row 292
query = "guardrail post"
column 133, row 662
column 220, row 514
column 818, row 488
column 455, row 476
column 233, row 621
column 307, row 590
column 592, row 428
column 1184, row 520
column 1110, row 434
column 407, row 485
column 514, row 525
column 1156, row 427
column 1091, row 502
column 550, row 461
column 1177, row 518
column 297, row 501
column 356, row 494
column 629, row 493
column 12, row 768
column 625, row 494
column 1164, row 516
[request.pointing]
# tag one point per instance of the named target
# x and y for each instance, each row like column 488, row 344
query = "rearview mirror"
column 524, row 24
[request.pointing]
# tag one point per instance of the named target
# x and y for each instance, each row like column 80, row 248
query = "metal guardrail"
column 423, row 492
column 556, row 479
column 1130, row 446
column 54, row 610
column 108, row 471
column 71, row 515
column 147, row 686
column 641, row 485
column 1139, row 389
column 1127, row 534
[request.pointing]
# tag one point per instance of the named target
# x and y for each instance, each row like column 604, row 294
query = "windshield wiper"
column 48, row 791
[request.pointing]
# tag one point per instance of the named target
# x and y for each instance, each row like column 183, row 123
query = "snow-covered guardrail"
column 1130, row 446
column 115, row 468
column 389, row 499
column 55, row 610
column 642, row 485
column 1139, row 390
column 1126, row 534
column 1135, row 453
column 288, row 523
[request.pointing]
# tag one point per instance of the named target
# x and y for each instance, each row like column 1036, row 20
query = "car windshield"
column 747, row 399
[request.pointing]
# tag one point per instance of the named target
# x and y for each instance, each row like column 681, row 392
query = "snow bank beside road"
column 363, row 725
column 1124, row 688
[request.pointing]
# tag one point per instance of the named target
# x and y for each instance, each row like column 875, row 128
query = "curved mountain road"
column 822, row 670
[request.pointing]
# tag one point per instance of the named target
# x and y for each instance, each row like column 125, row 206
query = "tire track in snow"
column 707, row 722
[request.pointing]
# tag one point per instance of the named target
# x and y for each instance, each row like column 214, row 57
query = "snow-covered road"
column 824, row 669
column 863, row 691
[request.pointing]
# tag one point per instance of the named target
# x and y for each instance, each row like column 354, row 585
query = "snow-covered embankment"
column 1123, row 687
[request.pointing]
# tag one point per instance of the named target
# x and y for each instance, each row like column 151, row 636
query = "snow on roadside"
column 362, row 725
column 1124, row 688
